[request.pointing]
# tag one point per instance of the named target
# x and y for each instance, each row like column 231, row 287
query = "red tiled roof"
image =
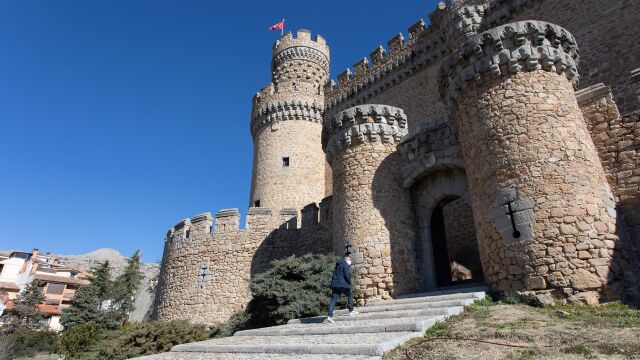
column 49, row 309
column 9, row 286
column 61, row 279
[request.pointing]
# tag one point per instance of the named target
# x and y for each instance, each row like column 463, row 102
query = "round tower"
column 286, row 125
column 373, row 215
column 544, row 213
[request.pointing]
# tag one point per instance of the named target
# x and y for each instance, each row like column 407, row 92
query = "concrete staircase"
column 380, row 326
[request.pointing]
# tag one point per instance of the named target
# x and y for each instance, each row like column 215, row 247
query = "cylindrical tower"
column 372, row 212
column 543, row 210
column 286, row 125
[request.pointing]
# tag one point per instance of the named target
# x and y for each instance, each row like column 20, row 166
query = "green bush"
column 79, row 340
column 237, row 322
column 24, row 341
column 137, row 339
column 292, row 288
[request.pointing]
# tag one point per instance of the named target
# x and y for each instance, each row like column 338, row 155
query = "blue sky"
column 118, row 118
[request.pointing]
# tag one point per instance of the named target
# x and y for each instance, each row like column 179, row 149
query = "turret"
column 286, row 125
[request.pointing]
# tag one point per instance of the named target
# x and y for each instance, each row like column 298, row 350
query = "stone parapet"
column 303, row 40
column 385, row 68
column 365, row 123
column 506, row 50
column 269, row 113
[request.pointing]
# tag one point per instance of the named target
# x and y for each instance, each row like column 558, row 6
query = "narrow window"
column 256, row 203
column 285, row 161
column 187, row 233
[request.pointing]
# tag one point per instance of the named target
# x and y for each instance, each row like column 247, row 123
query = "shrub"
column 294, row 287
column 137, row 339
column 24, row 341
column 237, row 322
column 79, row 340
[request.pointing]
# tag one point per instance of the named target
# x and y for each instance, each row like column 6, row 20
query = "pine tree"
column 87, row 303
column 25, row 307
column 125, row 287
column 101, row 278
column 85, row 307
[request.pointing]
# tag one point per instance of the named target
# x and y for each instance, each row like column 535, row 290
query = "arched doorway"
column 455, row 248
column 448, row 248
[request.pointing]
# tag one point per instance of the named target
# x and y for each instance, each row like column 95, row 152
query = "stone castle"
column 466, row 152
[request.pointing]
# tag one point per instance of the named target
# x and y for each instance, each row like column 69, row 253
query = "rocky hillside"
column 144, row 300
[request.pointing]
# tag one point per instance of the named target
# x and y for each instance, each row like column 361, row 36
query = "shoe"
column 329, row 319
column 354, row 312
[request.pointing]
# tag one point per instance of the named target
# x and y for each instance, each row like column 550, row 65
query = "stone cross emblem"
column 204, row 275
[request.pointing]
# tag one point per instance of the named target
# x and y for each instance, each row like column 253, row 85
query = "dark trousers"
column 335, row 295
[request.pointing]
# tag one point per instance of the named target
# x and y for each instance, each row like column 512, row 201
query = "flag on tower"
column 278, row 26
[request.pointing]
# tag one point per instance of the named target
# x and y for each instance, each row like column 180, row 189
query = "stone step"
column 347, row 327
column 383, row 315
column 422, row 298
column 338, row 344
column 391, row 306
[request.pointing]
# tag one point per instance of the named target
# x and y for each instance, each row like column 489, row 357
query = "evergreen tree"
column 125, row 287
column 101, row 278
column 25, row 307
column 85, row 307
column 88, row 301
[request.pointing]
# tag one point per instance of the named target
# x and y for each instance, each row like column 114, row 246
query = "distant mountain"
column 144, row 300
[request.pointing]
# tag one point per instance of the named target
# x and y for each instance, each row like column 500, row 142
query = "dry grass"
column 518, row 331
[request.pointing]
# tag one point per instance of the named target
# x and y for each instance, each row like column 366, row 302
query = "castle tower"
column 544, row 213
column 372, row 213
column 286, row 125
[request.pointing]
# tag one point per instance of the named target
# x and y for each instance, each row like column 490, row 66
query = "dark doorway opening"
column 455, row 248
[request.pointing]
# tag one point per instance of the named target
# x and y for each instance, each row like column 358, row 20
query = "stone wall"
column 606, row 31
column 531, row 161
column 616, row 138
column 205, row 274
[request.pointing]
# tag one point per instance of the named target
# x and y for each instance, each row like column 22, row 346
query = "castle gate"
column 447, row 245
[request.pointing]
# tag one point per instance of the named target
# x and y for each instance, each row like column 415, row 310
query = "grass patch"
column 612, row 315
column 580, row 350
column 522, row 355
column 440, row 328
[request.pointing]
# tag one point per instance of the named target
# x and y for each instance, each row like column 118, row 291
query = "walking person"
column 341, row 284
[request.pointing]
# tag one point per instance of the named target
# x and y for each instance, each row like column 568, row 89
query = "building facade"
column 499, row 144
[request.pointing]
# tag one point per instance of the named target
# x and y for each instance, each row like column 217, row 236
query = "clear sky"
column 118, row 118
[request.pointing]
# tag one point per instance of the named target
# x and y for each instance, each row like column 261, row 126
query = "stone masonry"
column 488, row 117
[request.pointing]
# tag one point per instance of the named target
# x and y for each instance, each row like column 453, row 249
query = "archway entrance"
column 456, row 258
column 447, row 250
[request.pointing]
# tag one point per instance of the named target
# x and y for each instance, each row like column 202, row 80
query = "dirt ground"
column 518, row 331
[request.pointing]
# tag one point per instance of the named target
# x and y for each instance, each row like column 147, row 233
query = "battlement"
column 273, row 111
column 258, row 219
column 368, row 122
column 386, row 67
column 302, row 39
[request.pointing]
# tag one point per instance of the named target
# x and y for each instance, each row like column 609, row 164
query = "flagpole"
column 282, row 30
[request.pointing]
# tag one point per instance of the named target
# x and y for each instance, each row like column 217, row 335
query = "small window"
column 285, row 161
column 256, row 203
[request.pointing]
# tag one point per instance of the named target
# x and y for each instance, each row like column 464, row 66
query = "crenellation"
column 227, row 220
column 378, row 55
column 395, row 44
column 416, row 29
